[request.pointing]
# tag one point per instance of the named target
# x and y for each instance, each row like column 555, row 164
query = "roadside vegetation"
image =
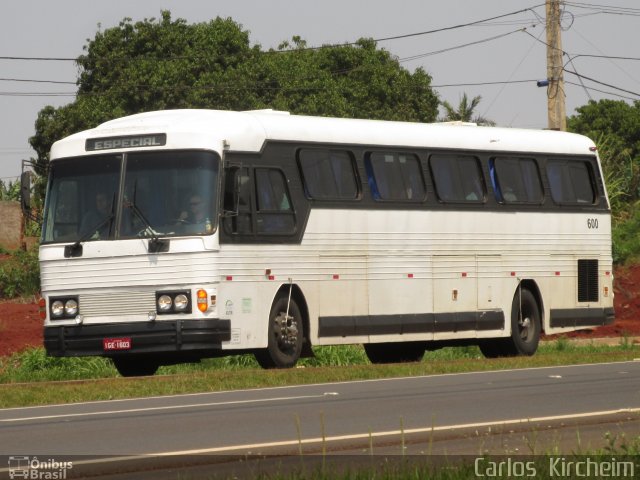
column 25, row 378
column 617, row 458
column 19, row 274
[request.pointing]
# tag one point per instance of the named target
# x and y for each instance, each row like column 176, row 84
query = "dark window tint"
column 571, row 181
column 457, row 178
column 328, row 174
column 274, row 211
column 516, row 180
column 169, row 193
column 238, row 204
column 395, row 176
column 81, row 199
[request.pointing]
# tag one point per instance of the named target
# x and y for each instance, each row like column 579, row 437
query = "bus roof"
column 248, row 131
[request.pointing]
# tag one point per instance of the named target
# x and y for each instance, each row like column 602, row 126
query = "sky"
column 507, row 54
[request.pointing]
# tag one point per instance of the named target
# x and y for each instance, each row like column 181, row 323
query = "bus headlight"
column 177, row 301
column 181, row 302
column 57, row 308
column 71, row 307
column 63, row 308
column 164, row 303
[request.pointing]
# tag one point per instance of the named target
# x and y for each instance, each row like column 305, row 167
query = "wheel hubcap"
column 286, row 329
column 525, row 326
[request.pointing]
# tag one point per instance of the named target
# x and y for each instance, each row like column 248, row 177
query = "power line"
column 599, row 90
column 606, row 9
column 571, row 57
column 601, row 83
column 37, row 94
column 36, row 81
column 416, row 34
column 383, row 39
column 444, row 50
column 480, row 84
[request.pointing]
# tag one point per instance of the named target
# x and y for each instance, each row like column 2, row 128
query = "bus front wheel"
column 285, row 335
column 525, row 329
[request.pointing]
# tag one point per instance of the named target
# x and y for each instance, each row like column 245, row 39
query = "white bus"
column 177, row 235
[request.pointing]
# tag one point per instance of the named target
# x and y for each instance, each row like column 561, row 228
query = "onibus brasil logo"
column 32, row 467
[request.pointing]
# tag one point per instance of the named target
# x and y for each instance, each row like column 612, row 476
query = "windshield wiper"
column 156, row 244
column 75, row 250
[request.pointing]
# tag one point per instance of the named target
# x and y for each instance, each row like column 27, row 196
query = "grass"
column 619, row 456
column 25, row 377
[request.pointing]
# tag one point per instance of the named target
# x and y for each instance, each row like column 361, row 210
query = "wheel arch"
column 532, row 286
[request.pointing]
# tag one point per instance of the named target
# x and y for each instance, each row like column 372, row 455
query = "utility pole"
column 555, row 93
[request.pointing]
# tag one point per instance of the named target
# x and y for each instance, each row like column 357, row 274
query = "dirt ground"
column 21, row 326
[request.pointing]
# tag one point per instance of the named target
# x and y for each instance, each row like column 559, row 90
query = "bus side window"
column 328, row 174
column 395, row 176
column 457, row 178
column 571, row 181
column 274, row 211
column 516, row 180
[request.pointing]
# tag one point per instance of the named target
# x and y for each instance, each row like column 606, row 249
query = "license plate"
column 116, row 343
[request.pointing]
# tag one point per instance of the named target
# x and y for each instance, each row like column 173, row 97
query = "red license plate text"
column 116, row 343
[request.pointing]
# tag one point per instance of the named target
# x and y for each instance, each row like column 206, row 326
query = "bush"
column 626, row 241
column 20, row 274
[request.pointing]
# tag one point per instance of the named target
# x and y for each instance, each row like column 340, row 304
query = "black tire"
column 135, row 366
column 286, row 335
column 526, row 326
column 525, row 323
column 400, row 352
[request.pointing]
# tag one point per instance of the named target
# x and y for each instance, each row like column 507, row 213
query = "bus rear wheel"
column 398, row 352
column 135, row 366
column 526, row 326
column 285, row 335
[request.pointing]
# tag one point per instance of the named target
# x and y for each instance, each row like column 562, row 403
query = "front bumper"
column 193, row 337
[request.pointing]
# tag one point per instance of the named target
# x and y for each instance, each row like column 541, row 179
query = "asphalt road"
column 348, row 417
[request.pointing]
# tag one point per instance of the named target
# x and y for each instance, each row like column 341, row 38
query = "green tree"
column 9, row 191
column 465, row 111
column 165, row 64
column 615, row 127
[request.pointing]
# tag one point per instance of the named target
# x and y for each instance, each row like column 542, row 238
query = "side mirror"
column 25, row 193
column 231, row 191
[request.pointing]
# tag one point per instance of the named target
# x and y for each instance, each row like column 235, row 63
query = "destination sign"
column 130, row 141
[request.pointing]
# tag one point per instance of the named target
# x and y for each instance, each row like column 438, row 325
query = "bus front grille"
column 117, row 304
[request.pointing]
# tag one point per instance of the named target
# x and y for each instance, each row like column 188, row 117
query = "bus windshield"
column 165, row 193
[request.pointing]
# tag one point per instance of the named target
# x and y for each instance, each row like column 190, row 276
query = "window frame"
column 570, row 178
column 372, row 178
column 456, row 156
column 329, row 152
column 497, row 185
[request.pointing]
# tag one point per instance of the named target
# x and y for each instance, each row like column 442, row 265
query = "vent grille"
column 588, row 281
column 117, row 304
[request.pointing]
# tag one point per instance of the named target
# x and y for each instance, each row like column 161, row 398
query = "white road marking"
column 358, row 436
column 168, row 407
column 267, row 389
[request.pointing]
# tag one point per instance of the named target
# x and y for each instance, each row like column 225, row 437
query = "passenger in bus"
column 92, row 218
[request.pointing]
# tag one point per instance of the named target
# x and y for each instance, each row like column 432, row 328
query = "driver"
column 92, row 218
column 196, row 213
